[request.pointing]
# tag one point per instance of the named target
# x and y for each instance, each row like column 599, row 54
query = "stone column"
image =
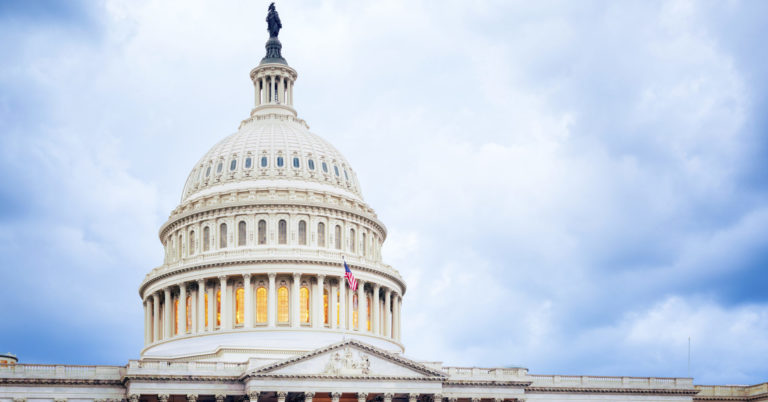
column 361, row 396
column 388, row 312
column 319, row 311
column 295, row 300
column 361, row 306
column 248, row 301
column 388, row 397
column 332, row 297
column 224, row 303
column 376, row 310
column 272, row 300
column 308, row 396
column 146, row 321
column 342, row 302
column 167, row 316
column 200, row 305
column 350, row 308
column 281, row 396
column 281, row 90
column 193, row 313
column 182, row 308
column 399, row 317
column 263, row 93
column 211, row 308
column 335, row 396
column 155, row 317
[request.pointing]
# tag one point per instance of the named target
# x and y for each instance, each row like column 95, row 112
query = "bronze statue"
column 273, row 21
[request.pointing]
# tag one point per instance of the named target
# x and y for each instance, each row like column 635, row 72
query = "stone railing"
column 462, row 373
column 243, row 252
column 185, row 368
column 739, row 391
column 610, row 382
column 62, row 372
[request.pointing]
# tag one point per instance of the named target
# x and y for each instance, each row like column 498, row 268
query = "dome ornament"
column 273, row 45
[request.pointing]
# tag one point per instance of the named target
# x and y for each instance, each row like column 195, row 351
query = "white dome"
column 251, row 158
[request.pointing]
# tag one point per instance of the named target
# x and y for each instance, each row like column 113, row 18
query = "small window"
column 241, row 233
column 282, row 232
column 221, row 166
column 263, row 161
column 280, row 161
column 321, row 234
column 232, row 165
column 248, row 162
column 302, row 233
column 325, row 167
column 208, row 171
column 262, row 232
column 346, row 176
column 337, row 237
column 336, row 170
column 296, row 162
column 311, row 164
column 223, row 235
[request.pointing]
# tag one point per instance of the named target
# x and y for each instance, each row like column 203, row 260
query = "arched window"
column 264, row 161
column 302, row 233
column 368, row 312
column 321, row 234
column 206, row 309
column 354, row 311
column 261, row 305
column 239, row 306
column 191, row 246
column 176, row 316
column 337, row 240
column 223, row 235
column 241, row 233
column 282, row 305
column 189, row 314
column 282, row 232
column 206, row 238
column 363, row 240
column 218, row 308
column 180, row 243
column 352, row 238
column 304, row 300
column 325, row 306
column 262, row 232
column 248, row 162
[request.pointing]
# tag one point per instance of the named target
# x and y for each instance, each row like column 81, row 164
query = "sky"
column 572, row 187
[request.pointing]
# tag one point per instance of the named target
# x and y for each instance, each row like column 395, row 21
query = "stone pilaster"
column 247, row 301
column 272, row 300
column 201, row 305
column 361, row 306
column 320, row 306
column 182, row 313
column 224, row 303
column 375, row 310
column 295, row 309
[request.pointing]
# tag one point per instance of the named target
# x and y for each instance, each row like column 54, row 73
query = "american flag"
column 350, row 278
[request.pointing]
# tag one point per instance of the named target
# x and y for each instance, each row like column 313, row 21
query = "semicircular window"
column 311, row 164
column 325, row 167
column 296, row 163
column 264, row 161
column 233, row 164
column 248, row 162
column 280, row 161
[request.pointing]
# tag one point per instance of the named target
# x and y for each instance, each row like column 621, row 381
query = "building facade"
column 252, row 303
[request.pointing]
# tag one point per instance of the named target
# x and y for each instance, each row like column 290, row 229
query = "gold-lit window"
column 354, row 312
column 189, row 314
column 206, row 309
column 239, row 305
column 304, row 302
column 325, row 306
column 261, row 305
column 176, row 316
column 218, row 308
column 368, row 312
column 282, row 305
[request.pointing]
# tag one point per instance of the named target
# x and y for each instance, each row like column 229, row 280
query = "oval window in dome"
column 218, row 168
column 325, row 167
column 296, row 162
column 311, row 164
column 263, row 161
column 346, row 176
column 336, row 169
column 233, row 165
column 248, row 162
column 280, row 161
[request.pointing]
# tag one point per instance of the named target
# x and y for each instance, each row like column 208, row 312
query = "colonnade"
column 271, row 300
column 273, row 89
column 309, row 396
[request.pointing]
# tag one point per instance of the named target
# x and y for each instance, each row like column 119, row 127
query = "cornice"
column 181, row 378
column 59, row 381
column 758, row 397
column 597, row 390
column 487, row 383
column 267, row 260
column 341, row 377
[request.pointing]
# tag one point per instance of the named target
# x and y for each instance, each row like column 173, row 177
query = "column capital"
column 191, row 397
column 320, row 277
column 272, row 275
column 201, row 282
column 247, row 277
column 454, row 399
column 254, row 396
column 309, row 394
column 296, row 276
column 20, row 399
column 376, row 286
column 336, row 395
column 475, row 399
column 222, row 278
column 362, row 396
column 282, row 394
column 163, row 397
column 388, row 396
column 497, row 399
column 438, row 397
column 220, row 397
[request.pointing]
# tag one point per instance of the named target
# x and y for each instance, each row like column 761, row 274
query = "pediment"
column 350, row 358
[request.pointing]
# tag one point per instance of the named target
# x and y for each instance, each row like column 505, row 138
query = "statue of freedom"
column 273, row 21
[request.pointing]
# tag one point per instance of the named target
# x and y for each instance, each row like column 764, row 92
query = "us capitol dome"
column 254, row 252
column 272, row 289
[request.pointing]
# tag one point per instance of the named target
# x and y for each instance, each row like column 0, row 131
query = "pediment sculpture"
column 348, row 363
